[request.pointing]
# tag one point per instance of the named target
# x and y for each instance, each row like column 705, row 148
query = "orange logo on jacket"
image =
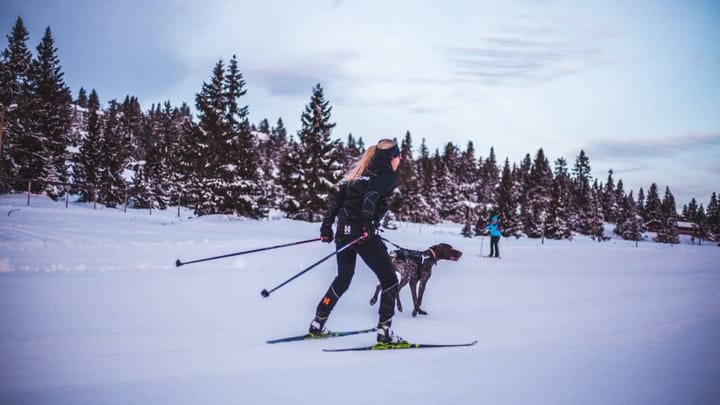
column 326, row 301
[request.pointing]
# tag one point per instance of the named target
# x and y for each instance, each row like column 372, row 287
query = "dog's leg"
column 421, row 292
column 403, row 282
column 374, row 298
column 413, row 290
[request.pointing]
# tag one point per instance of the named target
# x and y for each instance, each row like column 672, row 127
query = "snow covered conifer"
column 321, row 162
column 558, row 224
column 51, row 113
column 19, row 145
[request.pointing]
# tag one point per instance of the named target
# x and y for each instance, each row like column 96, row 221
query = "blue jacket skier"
column 494, row 236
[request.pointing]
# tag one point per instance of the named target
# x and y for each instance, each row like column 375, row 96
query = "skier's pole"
column 178, row 263
column 266, row 293
column 482, row 239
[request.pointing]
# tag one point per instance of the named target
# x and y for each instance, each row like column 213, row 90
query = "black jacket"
column 365, row 199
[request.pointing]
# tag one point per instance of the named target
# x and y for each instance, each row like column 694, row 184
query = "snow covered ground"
column 93, row 311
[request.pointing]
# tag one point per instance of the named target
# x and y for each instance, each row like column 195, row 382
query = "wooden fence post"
column 152, row 200
column 94, row 191
column 178, row 205
column 29, row 189
column 125, row 201
column 67, row 195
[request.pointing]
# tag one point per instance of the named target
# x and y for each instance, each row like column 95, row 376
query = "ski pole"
column 178, row 263
column 266, row 293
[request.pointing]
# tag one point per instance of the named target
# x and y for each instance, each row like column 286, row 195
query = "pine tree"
column 609, row 199
column 488, row 179
column 426, row 172
column 246, row 188
column 508, row 202
column 596, row 230
column 353, row 150
column 713, row 218
column 271, row 153
column 668, row 232
column 621, row 203
column 147, row 155
column 291, row 179
column 227, row 177
column 188, row 166
column 451, row 207
column 641, row 206
column 132, row 124
column 689, row 212
column 78, row 120
column 86, row 170
column 82, row 99
column 559, row 225
column 207, row 184
column 321, row 163
column 632, row 225
column 19, row 146
column 539, row 194
column 176, row 127
column 51, row 113
column 468, row 171
column 701, row 231
column 653, row 205
column 467, row 177
column 409, row 202
column 157, row 181
column 582, row 207
column 112, row 151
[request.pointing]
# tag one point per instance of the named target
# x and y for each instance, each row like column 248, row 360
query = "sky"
column 634, row 84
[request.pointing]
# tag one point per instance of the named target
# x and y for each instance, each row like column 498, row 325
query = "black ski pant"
column 494, row 249
column 375, row 255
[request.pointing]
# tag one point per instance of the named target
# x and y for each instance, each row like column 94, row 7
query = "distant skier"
column 494, row 236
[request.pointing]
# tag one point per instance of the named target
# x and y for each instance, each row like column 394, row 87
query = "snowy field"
column 94, row 311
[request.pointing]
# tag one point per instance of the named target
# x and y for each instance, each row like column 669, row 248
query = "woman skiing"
column 494, row 237
column 359, row 205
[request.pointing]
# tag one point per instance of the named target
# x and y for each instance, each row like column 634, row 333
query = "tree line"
column 218, row 162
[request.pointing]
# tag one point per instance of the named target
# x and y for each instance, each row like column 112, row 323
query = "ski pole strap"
column 266, row 293
column 178, row 263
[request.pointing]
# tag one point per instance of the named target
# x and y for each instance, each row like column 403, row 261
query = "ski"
column 308, row 336
column 399, row 346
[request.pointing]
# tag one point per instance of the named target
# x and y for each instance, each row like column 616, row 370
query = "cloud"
column 508, row 60
column 649, row 148
column 292, row 76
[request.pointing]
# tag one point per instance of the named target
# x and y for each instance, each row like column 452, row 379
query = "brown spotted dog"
column 415, row 267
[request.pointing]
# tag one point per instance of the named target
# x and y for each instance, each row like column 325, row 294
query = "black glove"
column 369, row 230
column 326, row 232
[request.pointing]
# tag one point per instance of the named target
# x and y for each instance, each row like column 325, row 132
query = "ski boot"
column 317, row 327
column 386, row 339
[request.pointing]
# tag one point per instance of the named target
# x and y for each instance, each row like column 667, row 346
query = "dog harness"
column 419, row 257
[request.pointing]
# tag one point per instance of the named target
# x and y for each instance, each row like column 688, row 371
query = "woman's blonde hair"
column 359, row 168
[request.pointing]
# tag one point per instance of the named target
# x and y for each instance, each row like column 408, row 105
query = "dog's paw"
column 418, row 311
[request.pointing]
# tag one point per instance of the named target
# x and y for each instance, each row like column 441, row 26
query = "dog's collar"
column 431, row 256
